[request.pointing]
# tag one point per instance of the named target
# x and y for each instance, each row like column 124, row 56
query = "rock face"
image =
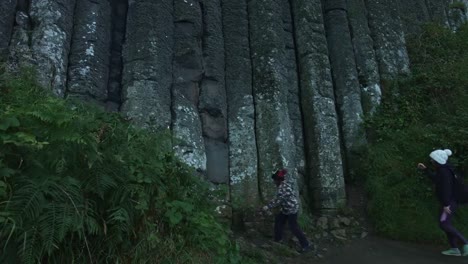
column 188, row 72
column 322, row 141
column 273, row 127
column 345, row 76
column 366, row 62
column 52, row 22
column 389, row 38
column 7, row 19
column 213, row 104
column 241, row 110
column 245, row 87
column 147, row 56
column 88, row 72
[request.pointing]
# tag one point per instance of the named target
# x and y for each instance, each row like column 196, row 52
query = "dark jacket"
column 444, row 183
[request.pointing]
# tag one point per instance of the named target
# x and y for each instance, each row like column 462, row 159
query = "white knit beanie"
column 440, row 156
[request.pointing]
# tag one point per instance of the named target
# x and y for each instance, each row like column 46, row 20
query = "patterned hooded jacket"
column 286, row 199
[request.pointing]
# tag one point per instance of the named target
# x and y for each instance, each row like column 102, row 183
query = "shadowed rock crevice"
column 7, row 19
column 119, row 23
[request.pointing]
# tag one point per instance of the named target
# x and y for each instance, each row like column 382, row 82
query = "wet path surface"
column 381, row 251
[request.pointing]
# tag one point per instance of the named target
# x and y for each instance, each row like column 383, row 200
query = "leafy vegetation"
column 78, row 185
column 422, row 112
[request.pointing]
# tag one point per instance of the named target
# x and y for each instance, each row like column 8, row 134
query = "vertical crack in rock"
column 322, row 140
column 345, row 78
column 187, row 75
column 273, row 126
column 119, row 23
column 52, row 22
column 88, row 69
column 366, row 63
column 389, row 38
column 7, row 19
column 241, row 114
column 147, row 59
column 293, row 100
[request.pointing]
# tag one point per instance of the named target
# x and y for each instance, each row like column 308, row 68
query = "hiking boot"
column 465, row 250
column 305, row 249
column 452, row 252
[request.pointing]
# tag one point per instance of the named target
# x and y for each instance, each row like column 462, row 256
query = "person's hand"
column 421, row 166
column 447, row 209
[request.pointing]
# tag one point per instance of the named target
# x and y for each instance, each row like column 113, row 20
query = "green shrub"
column 78, row 185
column 424, row 111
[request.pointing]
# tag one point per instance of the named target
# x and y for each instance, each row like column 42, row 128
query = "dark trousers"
column 281, row 220
column 445, row 223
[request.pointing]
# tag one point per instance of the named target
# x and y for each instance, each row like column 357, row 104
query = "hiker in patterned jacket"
column 287, row 200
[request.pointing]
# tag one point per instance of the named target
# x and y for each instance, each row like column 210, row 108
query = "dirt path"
column 374, row 250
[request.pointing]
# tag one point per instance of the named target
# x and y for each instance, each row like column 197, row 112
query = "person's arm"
column 430, row 174
column 277, row 200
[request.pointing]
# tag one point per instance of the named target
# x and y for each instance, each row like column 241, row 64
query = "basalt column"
column 212, row 105
column 366, row 63
column 345, row 78
column 241, row 113
column 188, row 74
column 389, row 38
column 294, row 107
column 88, row 72
column 52, row 22
column 7, row 19
column 273, row 128
column 147, row 60
column 114, row 85
column 322, row 142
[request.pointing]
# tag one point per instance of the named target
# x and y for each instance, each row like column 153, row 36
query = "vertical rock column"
column 241, row 112
column 7, row 19
column 51, row 36
column 273, row 128
column 89, row 55
column 188, row 73
column 366, row 63
column 213, row 105
column 322, row 141
column 345, row 77
column 292, row 84
column 119, row 23
column 147, row 59
column 389, row 38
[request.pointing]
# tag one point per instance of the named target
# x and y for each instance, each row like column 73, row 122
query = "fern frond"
column 48, row 225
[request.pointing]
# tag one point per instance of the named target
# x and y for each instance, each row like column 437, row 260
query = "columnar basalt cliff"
column 245, row 87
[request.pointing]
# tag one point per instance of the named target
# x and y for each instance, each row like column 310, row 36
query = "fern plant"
column 78, row 185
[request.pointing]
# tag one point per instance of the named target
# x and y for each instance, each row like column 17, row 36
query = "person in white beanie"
column 444, row 180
